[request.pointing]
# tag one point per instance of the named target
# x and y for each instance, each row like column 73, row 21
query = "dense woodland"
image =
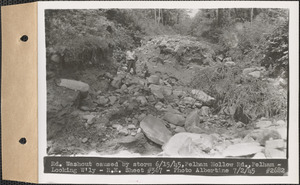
column 225, row 43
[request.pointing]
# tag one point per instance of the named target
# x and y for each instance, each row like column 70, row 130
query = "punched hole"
column 24, row 38
column 23, row 141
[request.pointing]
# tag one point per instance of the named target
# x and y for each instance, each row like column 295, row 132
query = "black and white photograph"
column 198, row 83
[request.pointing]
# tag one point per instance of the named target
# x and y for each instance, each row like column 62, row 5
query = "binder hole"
column 23, row 141
column 24, row 38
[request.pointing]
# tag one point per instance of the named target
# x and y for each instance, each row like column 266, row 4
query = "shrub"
column 257, row 98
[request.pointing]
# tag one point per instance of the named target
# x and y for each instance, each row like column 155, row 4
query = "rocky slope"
column 155, row 112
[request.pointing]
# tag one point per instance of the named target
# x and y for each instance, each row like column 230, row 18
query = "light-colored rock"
column 259, row 155
column 102, row 100
column 157, row 91
column 117, row 82
column 123, row 87
column 90, row 119
column 255, row 74
column 188, row 144
column 159, row 105
column 189, row 100
column 204, row 111
column 277, row 143
column 167, row 90
column 275, row 153
column 281, row 123
column 242, row 149
column 282, row 132
column 131, row 126
column 142, row 100
column 229, row 63
column 155, row 129
column 192, row 121
column 124, row 131
column 74, row 85
column 201, row 96
column 179, row 92
column 112, row 99
column 246, row 71
column 118, row 127
column 175, row 119
column 84, row 140
column 153, row 79
column 264, row 135
column 263, row 124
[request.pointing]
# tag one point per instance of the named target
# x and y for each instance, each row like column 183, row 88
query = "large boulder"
column 74, row 85
column 155, row 129
column 175, row 119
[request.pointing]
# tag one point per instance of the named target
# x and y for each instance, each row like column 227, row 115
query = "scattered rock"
column 153, row 79
column 123, row 87
column 157, row 91
column 229, row 63
column 142, row 100
column 117, row 82
column 255, row 74
column 242, row 149
column 84, row 140
column 139, row 130
column 74, row 85
column 155, row 130
column 102, row 100
column 118, row 127
column 90, row 119
column 112, row 99
column 189, row 100
column 159, row 105
column 167, row 90
column 84, row 108
column 201, row 96
column 124, row 131
column 192, row 121
column 179, row 92
column 131, row 126
column 175, row 119
column 204, row 111
column 246, row 71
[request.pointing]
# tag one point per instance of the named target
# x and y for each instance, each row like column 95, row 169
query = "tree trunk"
column 251, row 15
column 155, row 16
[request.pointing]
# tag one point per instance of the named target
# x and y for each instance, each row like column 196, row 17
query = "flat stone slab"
column 155, row 129
column 74, row 85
